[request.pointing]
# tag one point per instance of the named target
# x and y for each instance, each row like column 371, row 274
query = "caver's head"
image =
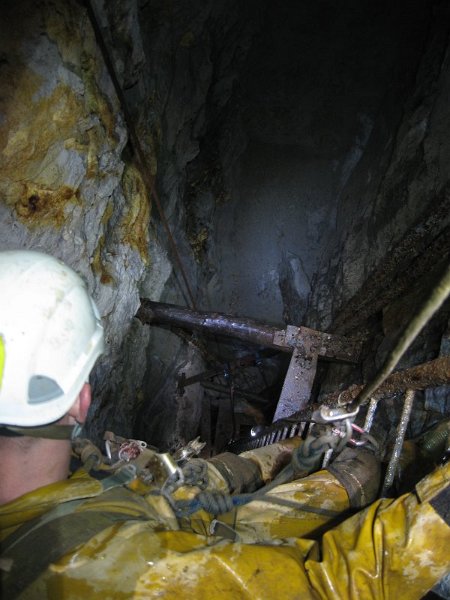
column 50, row 337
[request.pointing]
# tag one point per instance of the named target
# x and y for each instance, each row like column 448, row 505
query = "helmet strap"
column 52, row 432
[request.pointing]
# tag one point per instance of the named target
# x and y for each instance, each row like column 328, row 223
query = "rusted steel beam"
column 298, row 382
column 326, row 345
column 244, row 329
column 305, row 344
column 249, row 330
column 430, row 374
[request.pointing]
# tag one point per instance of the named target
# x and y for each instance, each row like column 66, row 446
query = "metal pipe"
column 401, row 431
column 242, row 328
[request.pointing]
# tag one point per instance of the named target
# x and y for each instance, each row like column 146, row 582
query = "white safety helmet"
column 50, row 337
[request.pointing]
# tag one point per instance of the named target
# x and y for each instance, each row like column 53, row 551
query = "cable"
column 434, row 302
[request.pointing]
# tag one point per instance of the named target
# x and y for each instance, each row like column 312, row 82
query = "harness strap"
column 54, row 534
column 53, row 432
column 48, row 544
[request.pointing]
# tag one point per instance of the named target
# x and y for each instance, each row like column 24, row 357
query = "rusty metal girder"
column 244, row 329
column 430, row 374
column 332, row 347
column 326, row 345
column 306, row 345
column 426, row 375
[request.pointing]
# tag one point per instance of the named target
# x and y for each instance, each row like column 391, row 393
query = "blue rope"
column 215, row 503
column 305, row 459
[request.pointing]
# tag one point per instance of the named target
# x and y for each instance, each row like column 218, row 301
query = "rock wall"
column 320, row 96
column 392, row 234
column 70, row 186
column 66, row 186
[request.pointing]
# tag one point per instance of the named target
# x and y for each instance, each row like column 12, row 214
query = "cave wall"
column 392, row 235
column 66, row 187
column 323, row 86
column 391, row 241
column 70, row 186
column 392, row 216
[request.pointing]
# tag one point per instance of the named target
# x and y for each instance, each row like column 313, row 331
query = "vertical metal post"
column 298, row 383
column 396, row 452
column 370, row 414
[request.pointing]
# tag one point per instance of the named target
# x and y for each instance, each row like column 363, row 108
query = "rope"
column 195, row 473
column 218, row 503
column 305, row 459
column 150, row 183
column 214, row 503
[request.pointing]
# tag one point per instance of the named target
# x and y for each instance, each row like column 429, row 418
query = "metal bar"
column 426, row 375
column 305, row 344
column 396, row 452
column 370, row 414
column 439, row 294
column 274, row 435
column 298, row 383
column 244, row 329
column 430, row 374
column 249, row 330
column 184, row 382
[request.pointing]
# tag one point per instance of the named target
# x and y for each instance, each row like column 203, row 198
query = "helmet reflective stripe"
column 52, row 337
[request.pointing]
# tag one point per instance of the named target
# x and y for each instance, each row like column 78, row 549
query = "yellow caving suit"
column 392, row 549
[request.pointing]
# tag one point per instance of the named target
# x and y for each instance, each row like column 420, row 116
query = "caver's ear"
column 81, row 405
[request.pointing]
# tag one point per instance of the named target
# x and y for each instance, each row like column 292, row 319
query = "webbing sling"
column 31, row 548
